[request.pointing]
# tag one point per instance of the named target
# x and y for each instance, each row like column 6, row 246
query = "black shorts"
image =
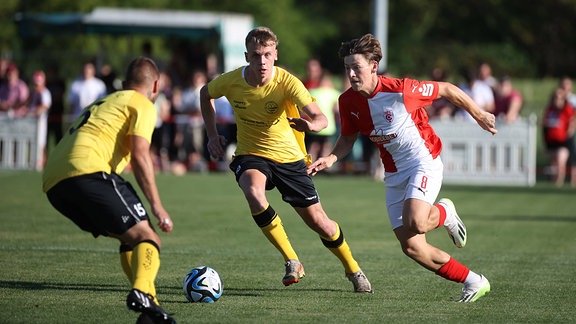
column 99, row 203
column 291, row 179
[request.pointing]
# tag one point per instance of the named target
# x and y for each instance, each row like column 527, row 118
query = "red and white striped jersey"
column 394, row 119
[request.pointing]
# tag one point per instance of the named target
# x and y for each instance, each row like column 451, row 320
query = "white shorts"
column 421, row 182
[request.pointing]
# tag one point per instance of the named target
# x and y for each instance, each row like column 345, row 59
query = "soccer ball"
column 202, row 284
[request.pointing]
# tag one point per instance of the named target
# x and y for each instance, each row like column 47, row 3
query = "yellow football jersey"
column 98, row 139
column 261, row 113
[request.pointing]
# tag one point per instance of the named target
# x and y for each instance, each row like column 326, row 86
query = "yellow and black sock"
column 126, row 261
column 271, row 225
column 145, row 265
column 337, row 244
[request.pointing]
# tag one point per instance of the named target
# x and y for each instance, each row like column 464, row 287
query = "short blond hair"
column 263, row 36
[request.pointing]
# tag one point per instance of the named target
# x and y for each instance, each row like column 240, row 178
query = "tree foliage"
column 522, row 38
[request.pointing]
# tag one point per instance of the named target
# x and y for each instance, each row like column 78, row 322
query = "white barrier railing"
column 18, row 143
column 473, row 156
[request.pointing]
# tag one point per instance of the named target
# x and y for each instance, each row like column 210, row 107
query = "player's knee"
column 139, row 233
column 414, row 226
column 410, row 251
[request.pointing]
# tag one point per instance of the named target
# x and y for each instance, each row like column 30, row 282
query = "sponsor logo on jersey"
column 239, row 104
column 426, row 89
column 378, row 138
column 271, row 107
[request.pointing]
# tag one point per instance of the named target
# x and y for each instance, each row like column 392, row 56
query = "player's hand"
column 216, row 146
column 166, row 224
column 299, row 124
column 321, row 164
column 164, row 221
column 488, row 122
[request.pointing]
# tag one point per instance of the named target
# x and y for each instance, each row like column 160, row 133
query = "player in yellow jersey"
column 270, row 150
column 82, row 180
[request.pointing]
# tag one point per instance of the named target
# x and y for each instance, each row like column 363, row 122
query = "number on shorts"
column 424, row 182
column 139, row 209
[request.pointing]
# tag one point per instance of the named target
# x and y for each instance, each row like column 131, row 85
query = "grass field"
column 522, row 239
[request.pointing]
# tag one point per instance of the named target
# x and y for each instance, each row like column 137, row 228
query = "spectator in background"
column 440, row 108
column 38, row 106
column 320, row 143
column 14, row 93
column 160, row 142
column 4, row 63
column 314, row 72
column 193, row 131
column 85, row 90
column 226, row 126
column 480, row 92
column 108, row 76
column 57, row 87
column 558, row 130
column 485, row 75
column 507, row 101
column 567, row 86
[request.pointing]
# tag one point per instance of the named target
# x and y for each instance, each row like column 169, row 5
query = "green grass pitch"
column 522, row 239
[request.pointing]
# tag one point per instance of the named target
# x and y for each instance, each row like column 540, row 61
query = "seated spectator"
column 507, row 101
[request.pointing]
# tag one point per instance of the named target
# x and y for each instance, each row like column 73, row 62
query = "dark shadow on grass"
column 245, row 292
column 27, row 285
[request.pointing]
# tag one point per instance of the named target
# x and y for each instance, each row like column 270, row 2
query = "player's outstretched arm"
column 343, row 146
column 459, row 98
column 144, row 174
column 317, row 122
column 216, row 143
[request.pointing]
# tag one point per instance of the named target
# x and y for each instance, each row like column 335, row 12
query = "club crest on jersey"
column 389, row 115
column 271, row 107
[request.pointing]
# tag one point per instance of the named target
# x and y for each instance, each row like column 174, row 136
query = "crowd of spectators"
column 179, row 139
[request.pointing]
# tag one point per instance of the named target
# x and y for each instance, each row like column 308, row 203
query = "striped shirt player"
column 391, row 113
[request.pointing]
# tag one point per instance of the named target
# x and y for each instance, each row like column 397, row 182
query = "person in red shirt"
column 392, row 113
column 507, row 100
column 558, row 130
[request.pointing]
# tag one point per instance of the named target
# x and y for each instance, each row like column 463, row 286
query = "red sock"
column 442, row 215
column 454, row 271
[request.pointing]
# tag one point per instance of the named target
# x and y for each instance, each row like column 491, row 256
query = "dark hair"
column 142, row 71
column 263, row 36
column 367, row 45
